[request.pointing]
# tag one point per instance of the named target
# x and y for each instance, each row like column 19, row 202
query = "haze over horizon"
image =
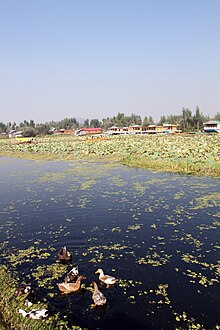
column 93, row 59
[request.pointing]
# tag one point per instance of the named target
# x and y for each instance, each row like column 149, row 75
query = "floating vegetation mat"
column 192, row 154
column 156, row 233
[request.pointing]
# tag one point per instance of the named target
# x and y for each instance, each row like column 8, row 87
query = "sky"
column 95, row 58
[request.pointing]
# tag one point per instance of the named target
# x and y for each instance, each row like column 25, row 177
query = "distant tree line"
column 187, row 121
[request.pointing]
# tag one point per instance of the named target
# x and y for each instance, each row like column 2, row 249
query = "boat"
column 212, row 126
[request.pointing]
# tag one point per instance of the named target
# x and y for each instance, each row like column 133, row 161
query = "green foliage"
column 148, row 121
column 186, row 121
column 217, row 116
column 29, row 131
column 86, row 123
column 67, row 123
column 95, row 123
column 3, row 127
column 9, row 305
column 198, row 153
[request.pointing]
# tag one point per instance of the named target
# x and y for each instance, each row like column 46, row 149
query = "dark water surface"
column 158, row 233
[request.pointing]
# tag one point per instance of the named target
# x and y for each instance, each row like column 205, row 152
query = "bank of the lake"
column 9, row 305
column 191, row 154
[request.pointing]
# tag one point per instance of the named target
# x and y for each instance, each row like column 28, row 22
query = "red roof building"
column 89, row 131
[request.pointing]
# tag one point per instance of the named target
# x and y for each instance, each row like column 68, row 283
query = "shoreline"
column 9, row 305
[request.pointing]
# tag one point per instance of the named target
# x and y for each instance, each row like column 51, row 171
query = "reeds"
column 9, row 305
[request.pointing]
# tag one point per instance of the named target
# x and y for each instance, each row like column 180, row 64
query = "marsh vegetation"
column 192, row 154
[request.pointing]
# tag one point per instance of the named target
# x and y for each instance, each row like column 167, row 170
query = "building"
column 14, row 134
column 88, row 131
column 65, row 131
column 165, row 128
column 114, row 130
column 135, row 129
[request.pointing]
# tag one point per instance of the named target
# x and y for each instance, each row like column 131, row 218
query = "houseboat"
column 88, row 131
column 212, row 126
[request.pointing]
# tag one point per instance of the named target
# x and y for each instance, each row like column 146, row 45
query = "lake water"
column 157, row 233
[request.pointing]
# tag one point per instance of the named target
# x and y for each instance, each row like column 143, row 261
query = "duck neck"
column 101, row 273
column 21, row 311
column 95, row 287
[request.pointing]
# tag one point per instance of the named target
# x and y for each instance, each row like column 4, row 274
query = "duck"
column 71, row 287
column 97, row 296
column 64, row 255
column 31, row 298
column 107, row 279
column 22, row 290
column 35, row 314
column 71, row 274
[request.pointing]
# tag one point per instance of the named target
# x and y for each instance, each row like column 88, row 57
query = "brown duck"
column 64, row 255
column 97, row 296
column 71, row 287
column 22, row 290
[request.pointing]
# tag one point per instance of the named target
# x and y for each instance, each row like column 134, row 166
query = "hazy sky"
column 95, row 58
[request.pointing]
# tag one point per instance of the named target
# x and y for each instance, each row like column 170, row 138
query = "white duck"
column 35, row 314
column 107, row 279
column 71, row 274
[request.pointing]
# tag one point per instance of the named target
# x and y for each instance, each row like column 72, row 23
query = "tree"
column 29, row 131
column 95, row 123
column 26, row 123
column 174, row 119
column 3, row 127
column 67, row 123
column 32, row 123
column 163, row 120
column 42, row 129
column 136, row 119
column 198, row 119
column 147, row 121
column 106, row 123
column 186, row 122
column 13, row 125
column 217, row 116
column 120, row 120
column 86, row 123
column 151, row 121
